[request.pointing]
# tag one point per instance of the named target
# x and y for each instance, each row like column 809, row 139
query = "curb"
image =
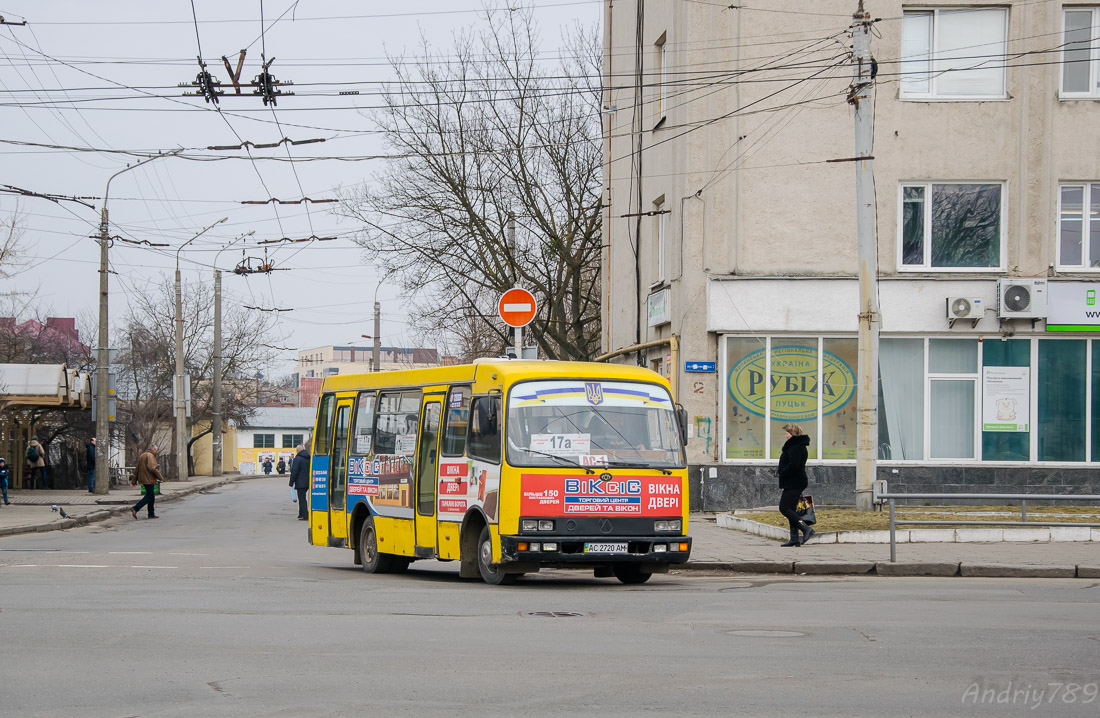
column 105, row 513
column 887, row 569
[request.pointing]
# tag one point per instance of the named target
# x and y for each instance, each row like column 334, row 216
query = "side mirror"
column 682, row 419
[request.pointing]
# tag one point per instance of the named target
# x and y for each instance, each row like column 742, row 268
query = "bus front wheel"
column 489, row 572
column 630, row 573
column 371, row 560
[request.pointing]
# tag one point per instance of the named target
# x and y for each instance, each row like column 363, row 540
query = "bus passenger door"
column 427, row 471
column 338, row 475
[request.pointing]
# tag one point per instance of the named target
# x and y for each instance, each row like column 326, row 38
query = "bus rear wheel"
column 489, row 572
column 371, row 560
column 630, row 573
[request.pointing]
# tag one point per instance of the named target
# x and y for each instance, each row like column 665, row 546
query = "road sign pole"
column 519, row 342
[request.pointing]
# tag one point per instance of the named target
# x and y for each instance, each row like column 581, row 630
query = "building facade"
column 732, row 237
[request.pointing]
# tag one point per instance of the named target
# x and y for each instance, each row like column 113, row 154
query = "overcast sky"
column 61, row 83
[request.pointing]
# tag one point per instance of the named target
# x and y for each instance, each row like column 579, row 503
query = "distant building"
column 272, row 432
column 317, row 363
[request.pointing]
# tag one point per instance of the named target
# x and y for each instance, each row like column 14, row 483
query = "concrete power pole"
column 862, row 96
column 102, row 433
column 376, row 352
column 216, row 415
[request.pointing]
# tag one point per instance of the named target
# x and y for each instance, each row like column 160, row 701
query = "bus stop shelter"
column 25, row 388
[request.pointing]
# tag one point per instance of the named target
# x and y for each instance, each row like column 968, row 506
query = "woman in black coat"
column 793, row 481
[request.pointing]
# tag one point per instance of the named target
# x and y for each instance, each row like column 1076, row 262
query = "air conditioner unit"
column 1022, row 298
column 965, row 308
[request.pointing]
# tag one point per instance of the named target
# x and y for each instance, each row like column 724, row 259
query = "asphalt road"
column 221, row 608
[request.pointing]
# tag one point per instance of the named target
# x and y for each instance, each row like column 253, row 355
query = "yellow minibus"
column 505, row 466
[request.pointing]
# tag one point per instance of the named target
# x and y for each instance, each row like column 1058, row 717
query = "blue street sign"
column 700, row 366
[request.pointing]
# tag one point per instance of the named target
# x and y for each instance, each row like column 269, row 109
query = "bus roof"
column 506, row 370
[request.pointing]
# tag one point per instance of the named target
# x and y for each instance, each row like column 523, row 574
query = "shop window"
column 1081, row 52
column 838, row 399
column 1079, row 226
column 901, row 399
column 794, row 390
column 745, row 397
column 1095, row 400
column 1061, row 400
column 951, row 418
column 951, row 226
column 1006, row 400
column 953, row 53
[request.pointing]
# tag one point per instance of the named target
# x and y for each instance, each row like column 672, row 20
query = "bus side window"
column 484, row 437
column 395, row 426
column 324, row 425
column 457, row 421
column 364, row 425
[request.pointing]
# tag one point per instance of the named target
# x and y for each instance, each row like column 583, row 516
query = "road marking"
column 154, row 567
column 128, row 553
column 188, row 554
column 223, row 567
column 81, row 565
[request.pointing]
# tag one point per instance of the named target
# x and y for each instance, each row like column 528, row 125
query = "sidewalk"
column 717, row 548
column 30, row 511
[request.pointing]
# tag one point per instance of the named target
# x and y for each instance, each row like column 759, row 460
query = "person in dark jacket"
column 299, row 479
column 89, row 459
column 281, row 466
column 4, row 472
column 267, row 467
column 793, row 481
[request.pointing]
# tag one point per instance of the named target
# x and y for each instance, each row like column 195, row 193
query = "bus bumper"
column 575, row 551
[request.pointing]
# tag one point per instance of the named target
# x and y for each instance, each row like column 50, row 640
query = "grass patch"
column 851, row 520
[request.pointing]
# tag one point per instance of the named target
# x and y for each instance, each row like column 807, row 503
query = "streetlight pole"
column 377, row 351
column 181, row 400
column 102, row 415
column 216, row 415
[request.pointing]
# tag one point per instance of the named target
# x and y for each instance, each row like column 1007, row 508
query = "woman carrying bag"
column 793, row 481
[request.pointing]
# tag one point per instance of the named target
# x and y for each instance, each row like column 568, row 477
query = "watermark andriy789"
column 1031, row 693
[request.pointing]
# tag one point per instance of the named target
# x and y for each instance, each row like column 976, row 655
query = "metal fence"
column 883, row 495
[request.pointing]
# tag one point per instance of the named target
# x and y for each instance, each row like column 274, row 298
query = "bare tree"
column 481, row 139
column 11, row 249
column 148, row 360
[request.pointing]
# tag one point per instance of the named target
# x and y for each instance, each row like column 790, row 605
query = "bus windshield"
column 592, row 424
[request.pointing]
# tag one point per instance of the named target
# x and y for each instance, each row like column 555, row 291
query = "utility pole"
column 181, row 398
column 216, row 414
column 102, row 415
column 862, row 96
column 376, row 352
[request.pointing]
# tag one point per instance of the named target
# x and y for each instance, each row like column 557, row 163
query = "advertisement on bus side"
column 599, row 495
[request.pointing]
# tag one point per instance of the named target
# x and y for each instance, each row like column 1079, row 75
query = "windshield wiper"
column 619, row 464
column 563, row 459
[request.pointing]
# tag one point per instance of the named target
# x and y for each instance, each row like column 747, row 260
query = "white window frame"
column 933, row 73
column 972, row 377
column 1094, row 63
column 1088, row 189
column 926, row 265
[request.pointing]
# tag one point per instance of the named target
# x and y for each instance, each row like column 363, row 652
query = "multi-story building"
column 317, row 363
column 732, row 236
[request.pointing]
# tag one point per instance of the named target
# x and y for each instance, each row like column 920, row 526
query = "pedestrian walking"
column 36, row 459
column 281, row 467
column 267, row 467
column 4, row 472
column 299, row 479
column 89, row 456
column 793, row 481
column 148, row 475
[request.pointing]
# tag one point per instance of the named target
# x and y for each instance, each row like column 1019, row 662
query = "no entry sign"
column 517, row 307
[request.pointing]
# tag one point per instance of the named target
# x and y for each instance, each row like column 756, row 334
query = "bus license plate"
column 605, row 548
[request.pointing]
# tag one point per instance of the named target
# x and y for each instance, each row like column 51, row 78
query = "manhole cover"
column 553, row 614
column 761, row 633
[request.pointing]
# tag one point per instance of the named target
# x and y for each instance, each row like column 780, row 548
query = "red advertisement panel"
column 599, row 495
column 452, row 506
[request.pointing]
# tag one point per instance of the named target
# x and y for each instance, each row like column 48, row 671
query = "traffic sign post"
column 517, row 309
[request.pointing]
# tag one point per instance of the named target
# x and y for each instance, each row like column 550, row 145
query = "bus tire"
column 630, row 573
column 371, row 560
column 489, row 573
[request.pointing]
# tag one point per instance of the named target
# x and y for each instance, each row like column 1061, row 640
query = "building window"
column 952, row 398
column 954, row 54
column 1079, row 226
column 263, row 441
column 291, row 441
column 951, row 226
column 662, row 97
column 659, row 244
column 1081, row 52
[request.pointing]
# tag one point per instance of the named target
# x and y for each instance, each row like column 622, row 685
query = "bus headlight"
column 530, row 525
column 675, row 525
column 660, row 525
column 546, row 525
